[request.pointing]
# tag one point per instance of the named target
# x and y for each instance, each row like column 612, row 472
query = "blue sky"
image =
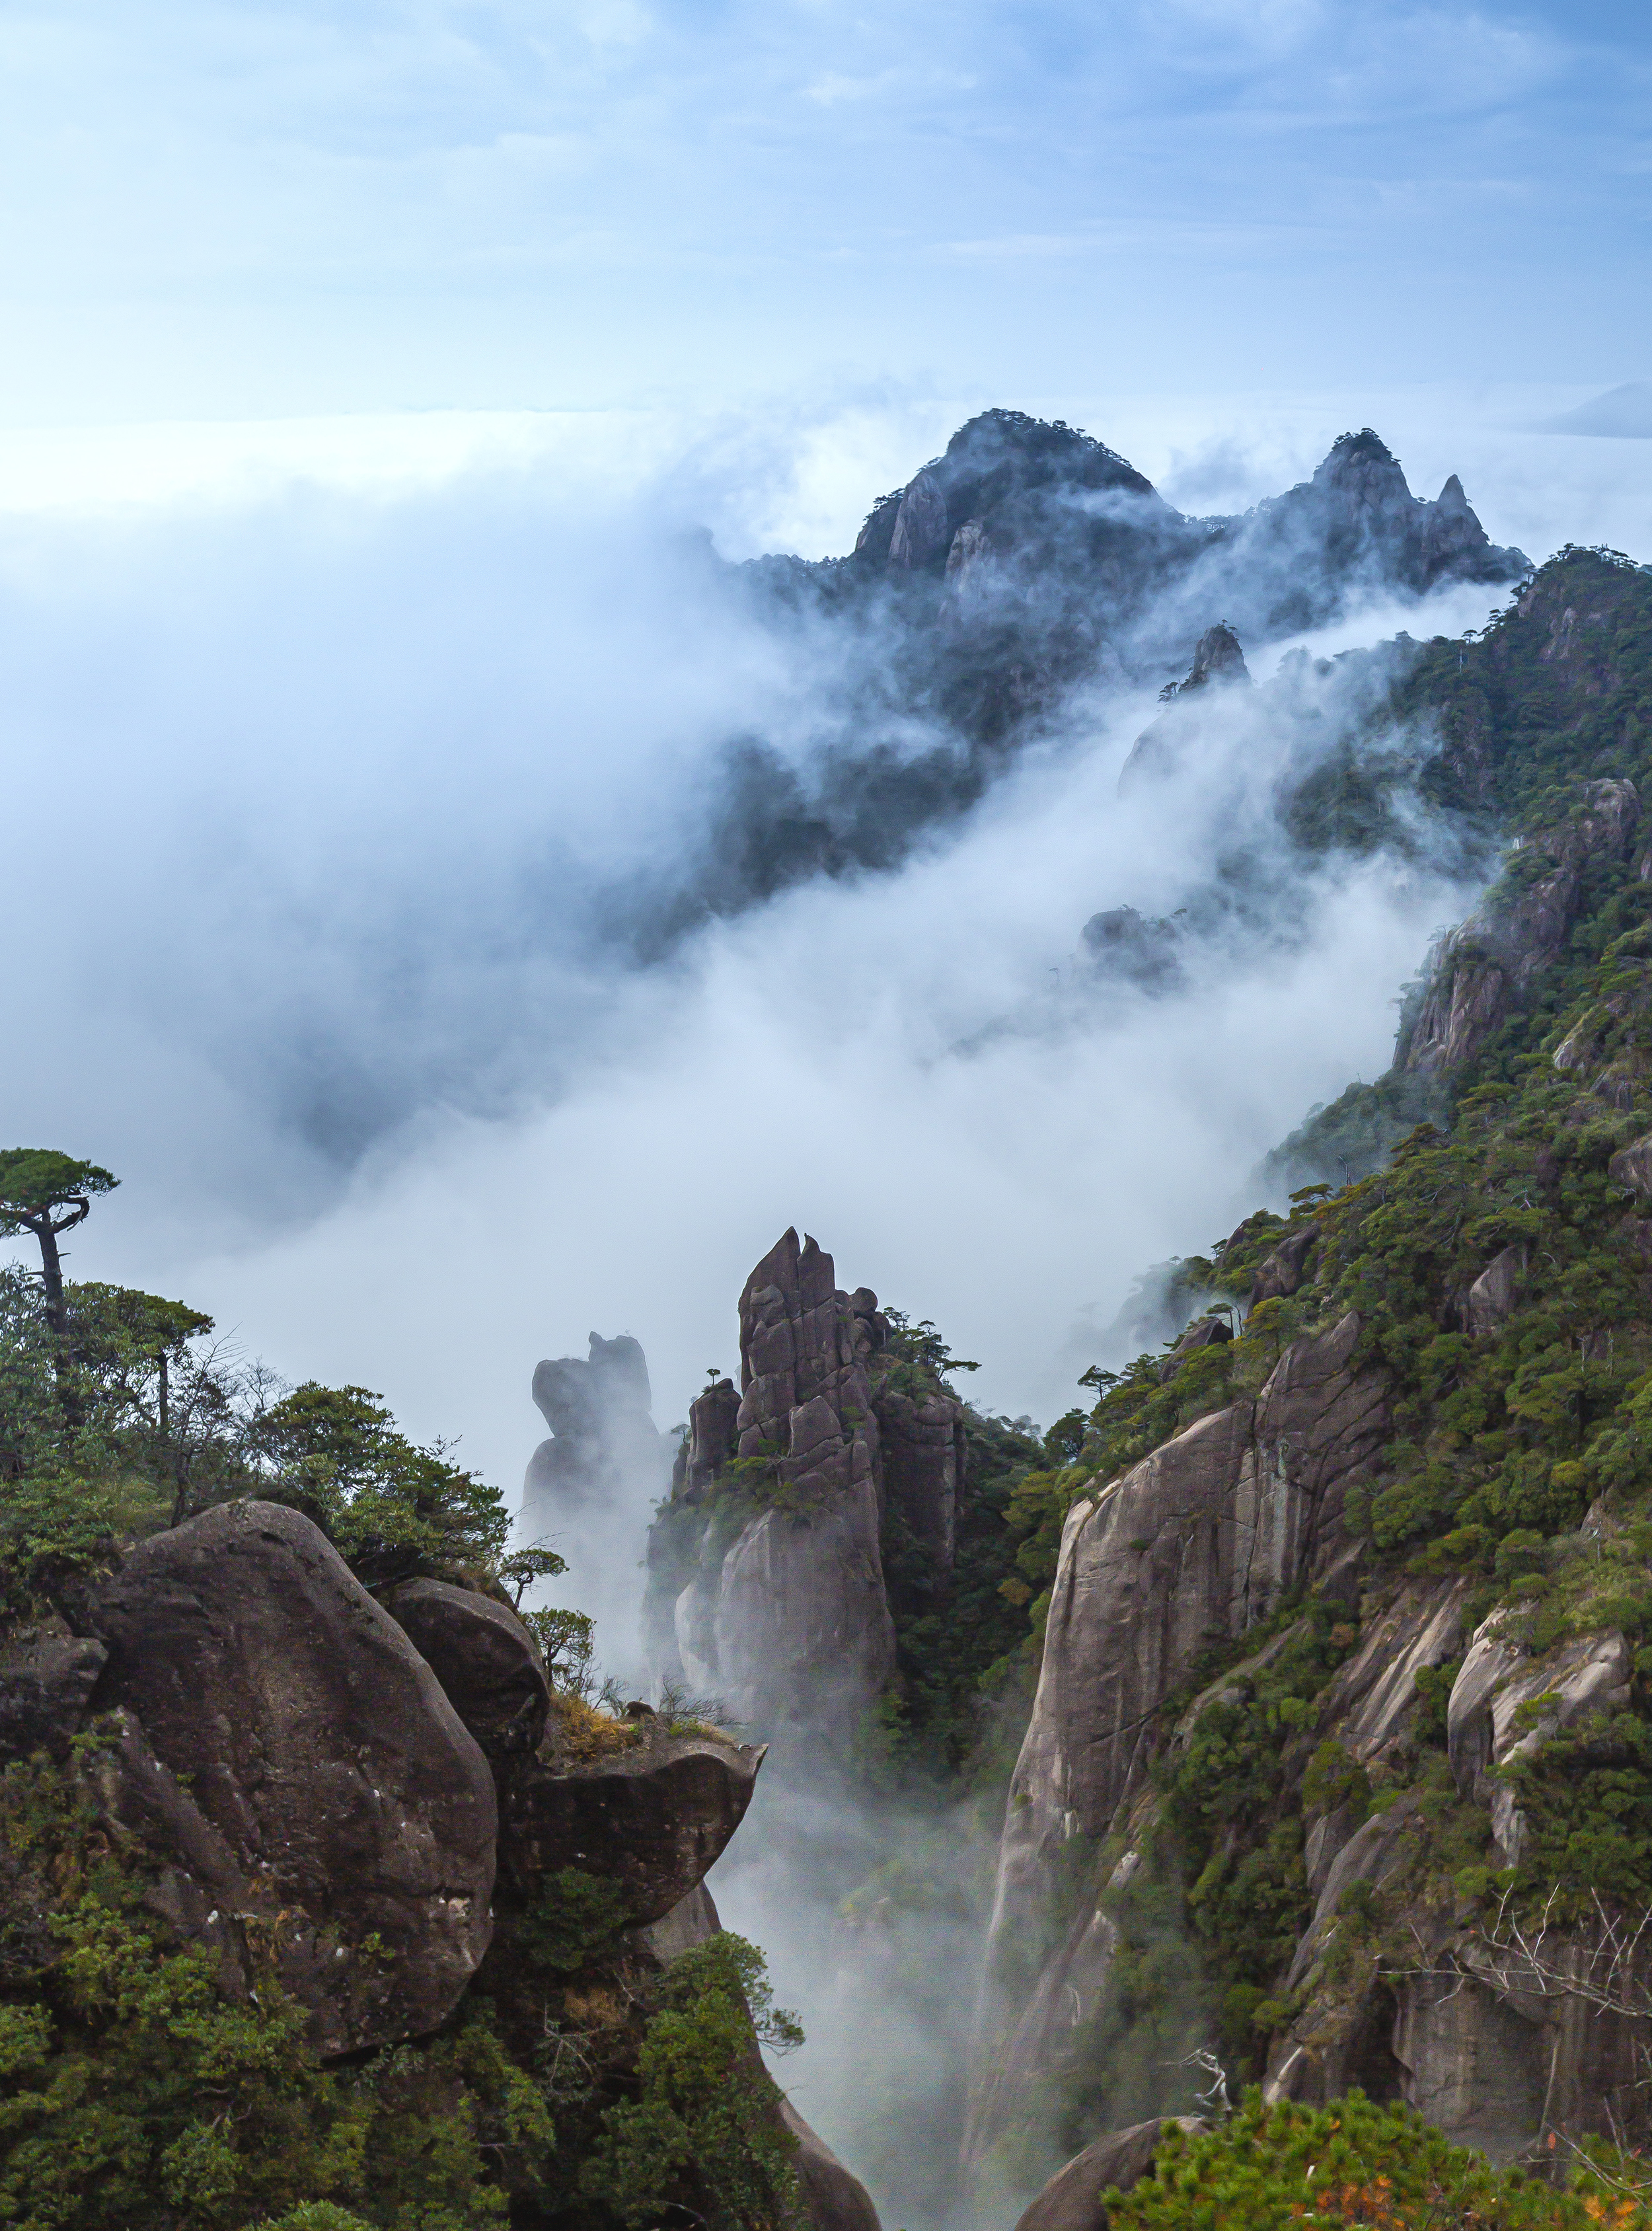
column 250, row 211
column 450, row 317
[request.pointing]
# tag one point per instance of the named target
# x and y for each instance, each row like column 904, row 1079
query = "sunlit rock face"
column 603, row 1437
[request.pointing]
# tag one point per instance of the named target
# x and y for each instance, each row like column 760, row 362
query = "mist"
column 344, row 813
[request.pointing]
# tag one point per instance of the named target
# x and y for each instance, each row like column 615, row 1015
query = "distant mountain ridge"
column 1025, row 564
column 1025, row 495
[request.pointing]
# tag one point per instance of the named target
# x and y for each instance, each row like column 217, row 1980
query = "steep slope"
column 766, row 1578
column 328, row 1899
column 1342, row 1723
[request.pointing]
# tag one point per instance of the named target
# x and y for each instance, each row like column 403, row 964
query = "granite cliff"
column 1334, row 1770
column 766, row 1581
column 329, row 1895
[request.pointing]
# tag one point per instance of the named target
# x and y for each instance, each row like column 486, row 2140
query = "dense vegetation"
column 581, row 2084
column 1355, row 2164
column 1504, row 1438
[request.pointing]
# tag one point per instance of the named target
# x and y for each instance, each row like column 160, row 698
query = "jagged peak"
column 1218, row 657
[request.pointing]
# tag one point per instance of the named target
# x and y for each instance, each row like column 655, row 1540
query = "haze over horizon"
column 365, row 365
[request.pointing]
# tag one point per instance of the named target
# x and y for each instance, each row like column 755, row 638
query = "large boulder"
column 319, row 1748
column 651, row 1819
column 1072, row 2199
column 47, row 1676
column 1490, row 1301
column 485, row 1658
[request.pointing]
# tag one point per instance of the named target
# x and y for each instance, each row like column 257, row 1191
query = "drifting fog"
column 342, row 824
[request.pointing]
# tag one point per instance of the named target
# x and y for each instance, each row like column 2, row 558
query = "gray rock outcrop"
column 486, row 1661
column 1197, row 1541
column 1489, row 1302
column 1485, row 971
column 788, row 1621
column 47, row 1675
column 1168, row 742
column 653, row 1819
column 604, row 1441
column 1072, row 2201
column 1506, row 1705
column 320, row 1751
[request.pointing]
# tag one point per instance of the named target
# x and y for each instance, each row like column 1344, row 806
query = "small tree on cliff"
column 47, row 1193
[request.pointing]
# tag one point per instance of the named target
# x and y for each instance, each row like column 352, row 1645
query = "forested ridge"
column 1469, row 1249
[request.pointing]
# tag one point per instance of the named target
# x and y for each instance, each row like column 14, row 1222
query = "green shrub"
column 705, row 2111
column 1289, row 2168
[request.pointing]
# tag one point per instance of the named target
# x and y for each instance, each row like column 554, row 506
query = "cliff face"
column 1340, row 1694
column 766, row 1579
column 317, row 1829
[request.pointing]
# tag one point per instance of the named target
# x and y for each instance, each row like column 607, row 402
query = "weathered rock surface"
column 319, row 1748
column 1208, row 1332
column 1072, row 2199
column 713, row 1419
column 197, row 1886
column 789, row 1622
column 1197, row 1541
column 1041, row 2038
column 487, row 1663
column 1490, row 1301
column 833, row 2198
column 1487, row 1723
column 46, row 1679
column 603, row 1438
column 652, row 1819
column 1484, row 972
column 1632, row 1169
column 1472, row 2066
column 1282, row 1273
column 1371, row 1698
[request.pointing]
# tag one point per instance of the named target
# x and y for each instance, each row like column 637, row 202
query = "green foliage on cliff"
column 133, row 2091
column 1508, row 1425
column 704, row 2107
column 132, row 1418
column 578, row 2087
column 957, row 1633
column 1276, row 2169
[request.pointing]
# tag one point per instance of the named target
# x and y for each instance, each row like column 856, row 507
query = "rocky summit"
column 1240, row 1789
column 1023, row 579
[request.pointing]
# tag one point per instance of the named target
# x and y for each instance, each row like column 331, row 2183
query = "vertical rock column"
column 788, row 1621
